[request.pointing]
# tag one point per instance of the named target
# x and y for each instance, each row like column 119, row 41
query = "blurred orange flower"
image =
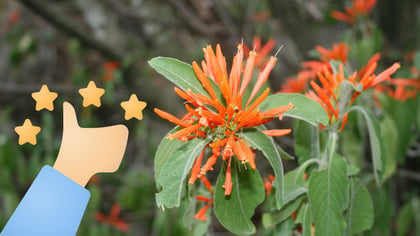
column 109, row 70
column 262, row 51
column 113, row 218
column 358, row 8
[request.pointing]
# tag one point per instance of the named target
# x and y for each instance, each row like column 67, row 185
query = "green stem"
column 329, row 149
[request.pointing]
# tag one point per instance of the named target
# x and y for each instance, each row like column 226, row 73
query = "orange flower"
column 268, row 184
column 201, row 214
column 221, row 119
column 327, row 92
column 109, row 69
column 297, row 84
column 338, row 52
column 113, row 219
column 358, row 8
column 400, row 89
column 262, row 51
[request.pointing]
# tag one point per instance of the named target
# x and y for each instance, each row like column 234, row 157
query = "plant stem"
column 329, row 149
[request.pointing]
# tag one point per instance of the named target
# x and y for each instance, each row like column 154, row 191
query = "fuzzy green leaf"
column 328, row 197
column 360, row 210
column 173, row 173
column 234, row 212
column 304, row 108
column 178, row 72
column 262, row 142
column 304, row 217
column 276, row 217
column 376, row 142
column 164, row 150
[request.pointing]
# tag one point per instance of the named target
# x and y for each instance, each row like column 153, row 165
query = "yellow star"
column 133, row 108
column 27, row 132
column 44, row 98
column 91, row 95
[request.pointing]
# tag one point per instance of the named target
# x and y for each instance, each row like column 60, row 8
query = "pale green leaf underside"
column 175, row 170
column 178, row 72
column 164, row 151
column 376, row 143
column 304, row 108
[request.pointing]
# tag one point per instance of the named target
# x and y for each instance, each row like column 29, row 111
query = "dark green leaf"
column 360, row 210
column 173, row 173
column 384, row 212
column 328, row 196
column 376, row 142
column 405, row 219
column 304, row 108
column 234, row 212
column 260, row 141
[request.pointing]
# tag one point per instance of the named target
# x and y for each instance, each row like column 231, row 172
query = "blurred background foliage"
column 65, row 44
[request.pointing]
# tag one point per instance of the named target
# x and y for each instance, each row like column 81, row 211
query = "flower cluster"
column 338, row 52
column 358, row 8
column 327, row 93
column 221, row 115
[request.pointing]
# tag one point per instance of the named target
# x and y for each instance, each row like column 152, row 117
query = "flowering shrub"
column 224, row 128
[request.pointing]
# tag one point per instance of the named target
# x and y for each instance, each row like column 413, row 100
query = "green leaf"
column 404, row 116
column 306, row 141
column 304, row 108
column 405, row 219
column 262, row 142
column 389, row 134
column 328, row 197
column 304, row 217
column 384, row 213
column 175, row 170
column 286, row 227
column 271, row 219
column 164, row 151
column 234, row 212
column 376, row 142
column 360, row 211
column 178, row 72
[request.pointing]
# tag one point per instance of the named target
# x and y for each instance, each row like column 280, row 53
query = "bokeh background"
column 65, row 44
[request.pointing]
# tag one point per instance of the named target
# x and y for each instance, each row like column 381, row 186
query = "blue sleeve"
column 53, row 205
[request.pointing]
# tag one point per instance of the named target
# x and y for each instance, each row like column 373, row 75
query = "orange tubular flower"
column 222, row 118
column 262, row 51
column 338, row 52
column 327, row 92
column 113, row 219
column 358, row 8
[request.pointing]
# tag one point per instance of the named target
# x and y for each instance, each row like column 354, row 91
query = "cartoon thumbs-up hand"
column 56, row 201
column 87, row 151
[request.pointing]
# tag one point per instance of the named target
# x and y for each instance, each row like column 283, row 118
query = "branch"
column 194, row 20
column 41, row 8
